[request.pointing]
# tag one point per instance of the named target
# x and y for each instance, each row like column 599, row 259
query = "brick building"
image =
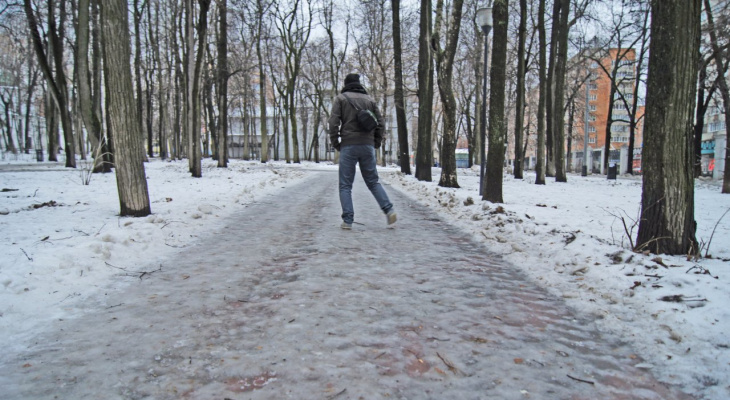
column 600, row 108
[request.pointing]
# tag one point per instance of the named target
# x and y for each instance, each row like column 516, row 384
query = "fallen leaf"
column 659, row 261
column 519, row 361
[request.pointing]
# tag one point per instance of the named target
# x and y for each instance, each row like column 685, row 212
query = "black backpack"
column 365, row 118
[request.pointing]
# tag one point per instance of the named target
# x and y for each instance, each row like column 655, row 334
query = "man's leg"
column 348, row 160
column 368, row 168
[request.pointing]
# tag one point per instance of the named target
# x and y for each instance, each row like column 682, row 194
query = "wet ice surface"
column 284, row 304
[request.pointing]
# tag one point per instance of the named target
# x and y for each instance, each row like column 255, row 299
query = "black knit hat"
column 352, row 78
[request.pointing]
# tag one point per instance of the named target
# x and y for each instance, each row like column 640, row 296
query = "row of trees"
column 195, row 63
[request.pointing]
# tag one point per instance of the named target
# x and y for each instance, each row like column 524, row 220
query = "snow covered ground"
column 62, row 242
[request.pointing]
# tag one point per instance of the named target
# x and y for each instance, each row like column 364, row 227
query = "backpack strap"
column 350, row 101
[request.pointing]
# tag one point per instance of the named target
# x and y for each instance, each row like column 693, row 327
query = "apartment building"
column 602, row 111
column 714, row 139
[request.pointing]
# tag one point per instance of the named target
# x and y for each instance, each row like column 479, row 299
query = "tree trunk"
column 193, row 90
column 724, row 91
column 667, row 222
column 10, row 141
column 209, row 107
column 445, row 68
column 90, row 118
column 107, row 148
column 32, row 81
column 637, row 84
column 131, row 182
column 223, row 84
column 478, row 66
column 189, row 74
column 540, row 162
column 52, row 127
column 571, row 121
column 699, row 120
column 497, row 122
column 163, row 96
column 137, row 15
column 262, row 85
column 550, row 91
column 57, row 84
column 400, row 104
column 424, row 152
column 520, row 102
column 561, row 61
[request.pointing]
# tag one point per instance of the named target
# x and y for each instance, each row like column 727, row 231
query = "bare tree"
column 374, row 56
column 194, row 70
column 138, row 12
column 400, row 105
column 624, row 70
column 294, row 24
column 56, row 84
column 667, row 222
column 424, row 153
column 497, row 122
column 91, row 119
column 520, row 93
column 222, row 83
column 543, row 85
column 131, row 181
column 722, row 86
column 262, row 8
column 445, row 67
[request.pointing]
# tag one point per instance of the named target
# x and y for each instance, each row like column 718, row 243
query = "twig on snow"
column 150, row 272
column 707, row 251
column 99, row 231
column 337, row 394
column 702, row 271
column 26, row 254
column 449, row 364
column 580, row 380
column 172, row 222
column 114, row 266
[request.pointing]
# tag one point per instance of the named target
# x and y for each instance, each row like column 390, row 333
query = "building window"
column 592, row 139
column 592, row 118
column 592, row 86
column 619, row 128
column 620, row 139
column 592, row 107
column 591, row 128
column 593, row 97
column 716, row 126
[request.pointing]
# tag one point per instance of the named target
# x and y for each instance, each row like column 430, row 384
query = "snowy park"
column 67, row 256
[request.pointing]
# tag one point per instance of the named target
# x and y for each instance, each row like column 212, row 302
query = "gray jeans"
column 350, row 156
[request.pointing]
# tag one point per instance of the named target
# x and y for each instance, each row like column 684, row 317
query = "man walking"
column 357, row 146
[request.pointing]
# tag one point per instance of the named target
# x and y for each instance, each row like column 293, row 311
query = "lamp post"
column 484, row 19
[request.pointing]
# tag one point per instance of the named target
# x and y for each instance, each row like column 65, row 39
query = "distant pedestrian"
column 357, row 146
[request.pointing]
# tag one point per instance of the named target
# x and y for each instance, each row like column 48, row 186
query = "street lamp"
column 484, row 19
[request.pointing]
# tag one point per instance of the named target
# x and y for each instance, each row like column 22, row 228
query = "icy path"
column 284, row 304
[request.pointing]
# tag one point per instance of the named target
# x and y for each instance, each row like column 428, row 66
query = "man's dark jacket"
column 343, row 126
